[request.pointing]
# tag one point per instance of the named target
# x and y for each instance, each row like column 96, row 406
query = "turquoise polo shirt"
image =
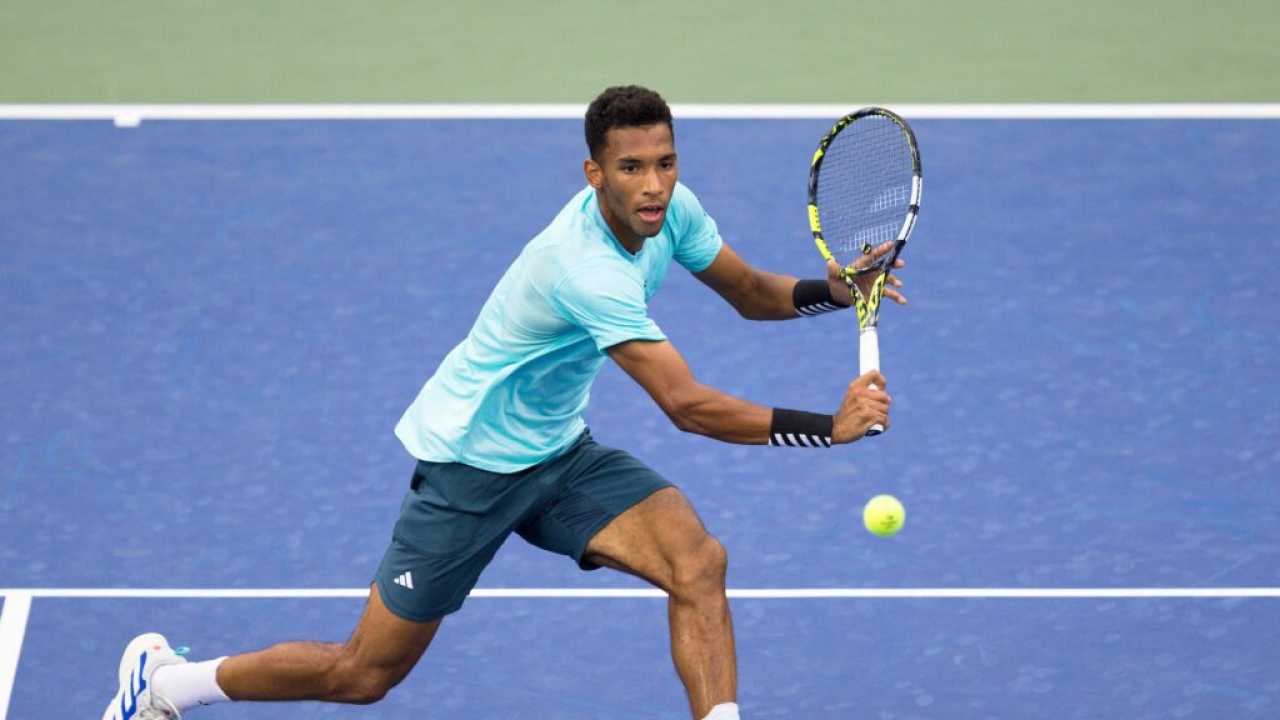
column 512, row 393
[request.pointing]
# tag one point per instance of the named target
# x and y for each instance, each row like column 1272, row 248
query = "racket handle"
column 868, row 360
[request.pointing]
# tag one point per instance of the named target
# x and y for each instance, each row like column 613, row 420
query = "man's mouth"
column 651, row 213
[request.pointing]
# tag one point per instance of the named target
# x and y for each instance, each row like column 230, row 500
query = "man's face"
column 634, row 178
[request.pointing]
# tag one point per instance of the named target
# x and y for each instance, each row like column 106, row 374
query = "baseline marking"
column 13, row 621
column 605, row 593
column 129, row 115
column 13, row 626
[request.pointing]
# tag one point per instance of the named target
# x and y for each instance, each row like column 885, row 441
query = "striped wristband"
column 813, row 297
column 794, row 428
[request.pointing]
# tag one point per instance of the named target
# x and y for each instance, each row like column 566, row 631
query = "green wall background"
column 241, row 51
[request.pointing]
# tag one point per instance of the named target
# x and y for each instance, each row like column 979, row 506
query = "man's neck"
column 633, row 246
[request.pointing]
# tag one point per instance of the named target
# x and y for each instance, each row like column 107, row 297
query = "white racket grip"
column 868, row 360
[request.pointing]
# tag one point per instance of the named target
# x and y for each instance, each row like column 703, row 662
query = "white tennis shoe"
column 134, row 700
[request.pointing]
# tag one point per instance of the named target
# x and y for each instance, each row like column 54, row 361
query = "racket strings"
column 864, row 186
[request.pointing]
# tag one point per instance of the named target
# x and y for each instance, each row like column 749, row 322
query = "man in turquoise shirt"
column 501, row 445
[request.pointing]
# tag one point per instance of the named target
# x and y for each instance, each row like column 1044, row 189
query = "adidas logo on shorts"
column 405, row 580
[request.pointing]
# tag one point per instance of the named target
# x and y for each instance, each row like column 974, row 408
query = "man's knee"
column 701, row 570
column 359, row 684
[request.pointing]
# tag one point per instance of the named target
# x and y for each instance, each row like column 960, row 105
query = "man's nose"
column 652, row 183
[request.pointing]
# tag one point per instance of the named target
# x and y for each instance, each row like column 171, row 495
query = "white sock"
column 723, row 711
column 189, row 684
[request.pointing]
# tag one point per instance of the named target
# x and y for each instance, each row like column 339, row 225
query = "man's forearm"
column 705, row 410
column 782, row 297
column 702, row 409
column 770, row 297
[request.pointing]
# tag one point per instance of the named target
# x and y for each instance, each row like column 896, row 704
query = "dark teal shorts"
column 455, row 517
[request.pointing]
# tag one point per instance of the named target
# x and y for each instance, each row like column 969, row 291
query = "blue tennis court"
column 210, row 329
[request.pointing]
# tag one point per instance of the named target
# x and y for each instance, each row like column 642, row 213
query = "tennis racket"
column 864, row 191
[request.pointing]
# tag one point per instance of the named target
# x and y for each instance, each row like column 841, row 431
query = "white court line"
column 13, row 626
column 744, row 593
column 17, row 604
column 127, row 115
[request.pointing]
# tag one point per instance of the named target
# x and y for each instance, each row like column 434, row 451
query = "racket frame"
column 867, row 308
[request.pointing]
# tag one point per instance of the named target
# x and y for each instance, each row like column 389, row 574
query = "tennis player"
column 501, row 445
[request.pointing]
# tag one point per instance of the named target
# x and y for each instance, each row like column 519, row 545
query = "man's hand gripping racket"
column 865, row 184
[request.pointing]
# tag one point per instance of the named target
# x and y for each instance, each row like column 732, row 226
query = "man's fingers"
column 833, row 267
column 878, row 400
column 872, row 377
column 865, row 260
column 871, row 257
column 895, row 296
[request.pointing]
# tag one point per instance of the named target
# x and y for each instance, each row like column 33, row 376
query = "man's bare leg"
column 379, row 654
column 662, row 540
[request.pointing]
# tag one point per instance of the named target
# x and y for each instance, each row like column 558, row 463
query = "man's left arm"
column 761, row 295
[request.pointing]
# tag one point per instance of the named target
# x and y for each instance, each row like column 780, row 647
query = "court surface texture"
column 211, row 327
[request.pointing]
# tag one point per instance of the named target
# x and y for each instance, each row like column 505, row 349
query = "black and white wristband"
column 795, row 428
column 813, row 297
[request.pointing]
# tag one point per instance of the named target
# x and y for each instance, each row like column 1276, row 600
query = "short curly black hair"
column 624, row 106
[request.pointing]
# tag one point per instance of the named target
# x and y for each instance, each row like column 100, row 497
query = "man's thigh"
column 452, row 522
column 653, row 539
column 387, row 643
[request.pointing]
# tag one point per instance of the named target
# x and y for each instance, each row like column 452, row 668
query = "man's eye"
column 629, row 168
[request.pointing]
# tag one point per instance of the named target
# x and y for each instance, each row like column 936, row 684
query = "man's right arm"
column 693, row 407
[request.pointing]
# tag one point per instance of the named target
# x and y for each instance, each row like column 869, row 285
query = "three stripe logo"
column 799, row 440
column 818, row 308
column 405, row 579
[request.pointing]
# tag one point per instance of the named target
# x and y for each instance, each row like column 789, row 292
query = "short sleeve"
column 697, row 239
column 608, row 303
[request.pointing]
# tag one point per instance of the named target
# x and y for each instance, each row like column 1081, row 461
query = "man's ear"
column 594, row 173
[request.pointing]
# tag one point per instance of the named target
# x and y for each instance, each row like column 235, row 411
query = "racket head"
column 865, row 186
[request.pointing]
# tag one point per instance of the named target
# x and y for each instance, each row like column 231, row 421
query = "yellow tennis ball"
column 884, row 515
